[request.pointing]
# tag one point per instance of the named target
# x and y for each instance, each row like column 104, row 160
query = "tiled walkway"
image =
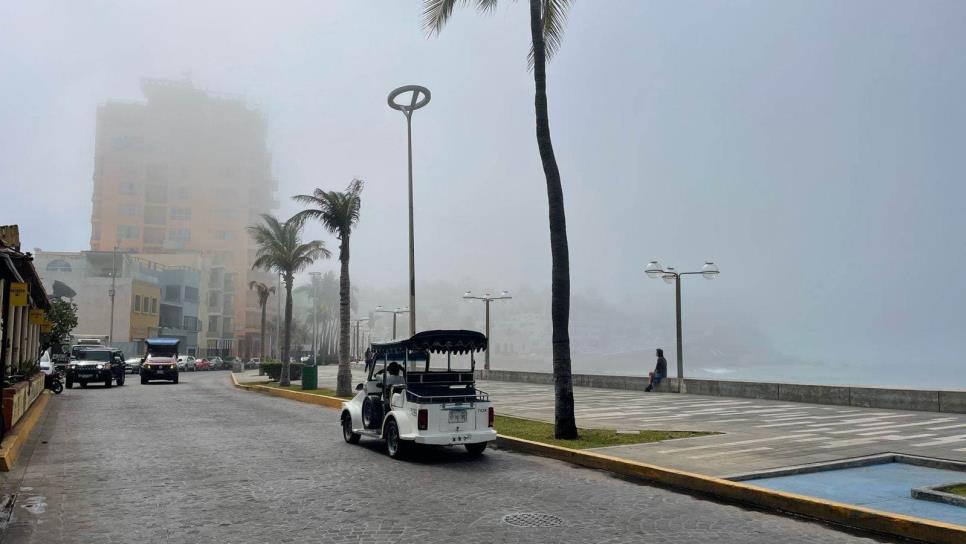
column 756, row 434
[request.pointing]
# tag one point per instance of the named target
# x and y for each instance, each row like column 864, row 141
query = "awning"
column 438, row 341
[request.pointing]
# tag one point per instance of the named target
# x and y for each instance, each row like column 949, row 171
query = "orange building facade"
column 187, row 171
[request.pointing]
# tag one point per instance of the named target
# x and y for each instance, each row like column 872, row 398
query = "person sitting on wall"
column 660, row 372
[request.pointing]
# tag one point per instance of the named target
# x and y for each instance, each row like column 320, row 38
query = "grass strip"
column 959, row 489
column 325, row 392
column 541, row 431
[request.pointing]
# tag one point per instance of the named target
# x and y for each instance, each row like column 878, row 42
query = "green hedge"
column 274, row 370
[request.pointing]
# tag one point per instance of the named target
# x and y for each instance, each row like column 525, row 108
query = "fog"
column 813, row 149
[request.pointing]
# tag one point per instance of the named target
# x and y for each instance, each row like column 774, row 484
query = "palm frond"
column 436, row 13
column 554, row 19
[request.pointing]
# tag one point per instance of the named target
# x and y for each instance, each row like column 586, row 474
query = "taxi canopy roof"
column 158, row 342
column 438, row 341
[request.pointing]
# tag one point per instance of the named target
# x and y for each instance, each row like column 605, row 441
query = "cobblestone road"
column 204, row 462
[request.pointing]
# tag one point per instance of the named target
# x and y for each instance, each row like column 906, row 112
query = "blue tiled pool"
column 882, row 487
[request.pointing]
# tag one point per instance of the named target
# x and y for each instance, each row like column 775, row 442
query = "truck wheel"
column 70, row 384
column 144, row 379
column 58, row 388
column 120, row 380
column 107, row 382
column 175, row 380
column 396, row 447
column 347, row 434
column 83, row 385
column 475, row 450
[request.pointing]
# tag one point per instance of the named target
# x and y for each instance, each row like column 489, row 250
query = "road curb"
column 319, row 400
column 811, row 507
column 18, row 435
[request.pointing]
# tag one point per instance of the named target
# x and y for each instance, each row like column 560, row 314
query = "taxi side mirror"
column 359, row 387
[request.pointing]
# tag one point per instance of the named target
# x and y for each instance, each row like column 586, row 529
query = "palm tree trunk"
column 565, row 425
column 261, row 340
column 284, row 379
column 344, row 381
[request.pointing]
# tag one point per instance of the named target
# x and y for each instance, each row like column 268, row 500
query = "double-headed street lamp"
column 419, row 98
column 487, row 298
column 358, row 350
column 654, row 270
column 394, row 313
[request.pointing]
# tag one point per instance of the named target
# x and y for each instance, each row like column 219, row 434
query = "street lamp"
column 487, row 298
column 310, row 372
column 394, row 313
column 358, row 349
column 654, row 270
column 419, row 98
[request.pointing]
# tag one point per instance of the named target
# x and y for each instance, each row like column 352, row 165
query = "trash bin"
column 310, row 377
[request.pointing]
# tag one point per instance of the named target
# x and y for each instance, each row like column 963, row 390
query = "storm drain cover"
column 532, row 519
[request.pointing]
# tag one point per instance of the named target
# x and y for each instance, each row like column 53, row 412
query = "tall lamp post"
column 487, row 298
column 394, row 313
column 654, row 270
column 418, row 98
column 310, row 372
column 358, row 349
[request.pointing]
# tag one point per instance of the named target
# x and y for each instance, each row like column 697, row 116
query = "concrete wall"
column 840, row 395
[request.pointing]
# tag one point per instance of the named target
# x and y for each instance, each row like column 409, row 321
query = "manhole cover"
column 532, row 519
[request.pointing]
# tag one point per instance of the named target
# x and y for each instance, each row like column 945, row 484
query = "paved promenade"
column 202, row 462
column 756, row 434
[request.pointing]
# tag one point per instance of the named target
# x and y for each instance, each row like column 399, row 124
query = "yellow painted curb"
column 319, row 400
column 834, row 512
column 18, row 435
column 812, row 507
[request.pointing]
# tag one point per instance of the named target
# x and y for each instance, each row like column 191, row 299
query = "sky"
column 813, row 149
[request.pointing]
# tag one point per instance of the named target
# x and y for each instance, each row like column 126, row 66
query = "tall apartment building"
column 187, row 171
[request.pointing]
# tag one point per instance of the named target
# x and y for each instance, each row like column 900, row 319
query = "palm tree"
column 280, row 250
column 547, row 19
column 338, row 211
column 263, row 293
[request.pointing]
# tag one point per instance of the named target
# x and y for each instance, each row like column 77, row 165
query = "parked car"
column 95, row 364
column 132, row 365
column 161, row 360
column 217, row 363
column 186, row 363
column 406, row 401
column 202, row 364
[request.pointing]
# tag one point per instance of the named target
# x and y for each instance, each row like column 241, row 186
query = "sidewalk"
column 756, row 434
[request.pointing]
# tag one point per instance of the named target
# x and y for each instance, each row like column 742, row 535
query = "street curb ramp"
column 17, row 436
column 847, row 515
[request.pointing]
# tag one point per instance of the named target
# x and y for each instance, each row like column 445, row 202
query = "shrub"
column 274, row 370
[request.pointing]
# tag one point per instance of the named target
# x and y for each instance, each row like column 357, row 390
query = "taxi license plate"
column 457, row 416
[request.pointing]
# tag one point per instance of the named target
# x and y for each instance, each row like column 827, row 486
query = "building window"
column 179, row 235
column 154, row 305
column 95, row 231
column 224, row 235
column 181, row 214
column 191, row 294
column 58, row 265
column 213, row 324
column 128, row 232
column 154, row 235
column 184, row 192
column 172, row 293
column 137, row 303
column 129, row 210
column 128, row 188
column 156, row 194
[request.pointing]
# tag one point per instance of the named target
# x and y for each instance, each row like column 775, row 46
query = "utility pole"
column 110, row 335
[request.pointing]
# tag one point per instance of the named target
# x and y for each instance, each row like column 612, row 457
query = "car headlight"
column 100, row 367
